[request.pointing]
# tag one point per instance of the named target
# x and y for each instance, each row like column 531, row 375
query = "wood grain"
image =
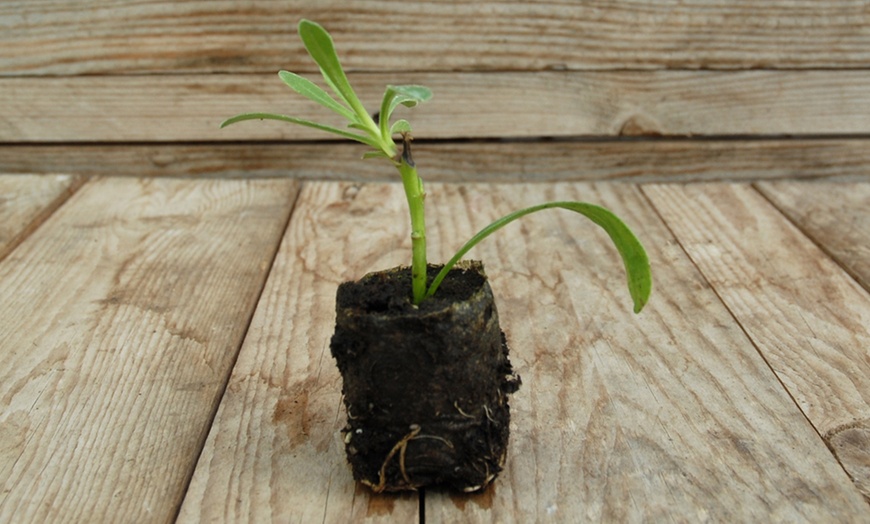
column 128, row 306
column 472, row 161
column 671, row 415
column 26, row 201
column 275, row 452
column 109, row 37
column 807, row 317
column 465, row 105
column 650, row 420
column 835, row 216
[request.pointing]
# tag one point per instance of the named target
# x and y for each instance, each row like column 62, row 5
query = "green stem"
column 415, row 195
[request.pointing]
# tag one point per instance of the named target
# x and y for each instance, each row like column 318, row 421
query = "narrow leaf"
column 332, row 86
column 372, row 133
column 312, row 91
column 329, row 129
column 634, row 257
column 320, row 46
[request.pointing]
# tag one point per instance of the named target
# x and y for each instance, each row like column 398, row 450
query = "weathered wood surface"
column 27, row 200
column 620, row 417
column 472, row 161
column 123, row 313
column 275, row 452
column 835, row 216
column 808, row 318
column 102, row 37
column 667, row 416
column 465, row 105
column 121, row 318
column 125, row 78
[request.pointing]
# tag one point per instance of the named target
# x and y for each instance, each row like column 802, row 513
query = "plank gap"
column 458, row 140
column 232, row 364
column 805, row 315
column 737, row 320
column 479, row 160
column 755, row 344
column 724, row 303
column 76, row 183
column 814, row 238
column 129, row 302
column 421, row 501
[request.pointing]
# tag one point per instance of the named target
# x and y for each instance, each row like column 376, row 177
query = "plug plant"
column 380, row 134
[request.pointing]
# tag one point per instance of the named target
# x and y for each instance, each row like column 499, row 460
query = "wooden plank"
column 667, row 416
column 100, row 37
column 275, row 452
column 651, row 420
column 122, row 317
column 806, row 316
column 493, row 161
column 466, row 105
column 26, row 201
column 835, row 216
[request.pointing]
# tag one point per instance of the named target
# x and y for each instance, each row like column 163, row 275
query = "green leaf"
column 371, row 132
column 634, row 257
column 400, row 126
column 329, row 129
column 407, row 95
column 333, row 87
column 312, row 91
column 320, row 46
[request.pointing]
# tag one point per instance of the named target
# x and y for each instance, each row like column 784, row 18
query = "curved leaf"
column 634, row 257
column 312, row 91
column 329, row 129
column 400, row 126
column 407, row 95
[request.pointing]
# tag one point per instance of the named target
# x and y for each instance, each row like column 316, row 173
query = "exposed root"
column 489, row 477
column 400, row 447
column 435, row 437
column 489, row 414
column 463, row 413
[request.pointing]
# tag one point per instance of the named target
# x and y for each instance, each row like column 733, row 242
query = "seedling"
column 378, row 133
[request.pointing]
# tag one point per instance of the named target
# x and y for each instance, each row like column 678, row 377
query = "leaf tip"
column 309, row 28
column 639, row 305
column 641, row 296
column 305, row 24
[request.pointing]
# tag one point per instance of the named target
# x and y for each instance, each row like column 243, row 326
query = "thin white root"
column 463, row 413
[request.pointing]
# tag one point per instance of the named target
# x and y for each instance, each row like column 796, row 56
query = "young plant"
column 378, row 133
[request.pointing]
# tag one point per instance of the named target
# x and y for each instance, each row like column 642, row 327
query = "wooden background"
column 658, row 90
column 103, row 103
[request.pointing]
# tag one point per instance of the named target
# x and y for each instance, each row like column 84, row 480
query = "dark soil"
column 425, row 387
